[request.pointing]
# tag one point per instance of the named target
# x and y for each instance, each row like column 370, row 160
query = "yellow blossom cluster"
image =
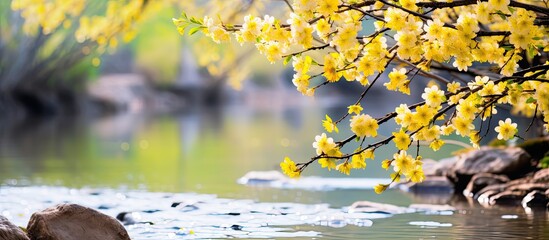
column 483, row 55
column 96, row 25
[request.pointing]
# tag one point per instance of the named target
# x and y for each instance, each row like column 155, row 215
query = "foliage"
column 484, row 55
column 544, row 162
column 43, row 42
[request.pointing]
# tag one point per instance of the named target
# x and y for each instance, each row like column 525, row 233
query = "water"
column 205, row 151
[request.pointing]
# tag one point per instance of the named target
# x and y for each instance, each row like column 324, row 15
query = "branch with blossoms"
column 496, row 49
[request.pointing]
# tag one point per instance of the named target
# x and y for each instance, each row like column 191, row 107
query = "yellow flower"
column 323, row 28
column 397, row 80
column 329, row 125
column 364, row 126
column 403, row 161
column 408, row 4
column 424, row 114
column 474, row 138
column 447, row 130
column 506, row 130
column 467, row 109
column 356, row 109
column 433, row 96
column 500, row 5
column 436, row 144
column 385, row 164
column 416, row 174
column 358, row 161
column 380, row 188
column 402, row 140
column 344, row 168
column 302, row 64
column 289, row 168
column 323, row 144
column 327, row 163
column 330, row 68
column 369, row 153
column 395, row 18
column 327, row 7
column 430, row 134
column 463, row 126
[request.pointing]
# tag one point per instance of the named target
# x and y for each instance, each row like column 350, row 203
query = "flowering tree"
column 483, row 55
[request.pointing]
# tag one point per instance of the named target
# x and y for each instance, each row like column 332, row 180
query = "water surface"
column 205, row 151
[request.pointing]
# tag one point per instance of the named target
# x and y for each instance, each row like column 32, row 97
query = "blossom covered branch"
column 497, row 48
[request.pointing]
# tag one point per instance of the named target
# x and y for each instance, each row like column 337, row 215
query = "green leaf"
column 531, row 100
column 287, row 59
column 532, row 52
column 544, row 162
column 314, row 62
column 501, row 14
column 194, row 30
column 508, row 47
column 357, row 139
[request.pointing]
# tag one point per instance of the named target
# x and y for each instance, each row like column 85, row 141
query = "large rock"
column 74, row 222
column 482, row 180
column 8, row 231
column 444, row 165
column 509, row 193
column 511, row 161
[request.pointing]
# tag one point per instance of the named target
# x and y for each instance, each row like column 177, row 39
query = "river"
column 205, row 150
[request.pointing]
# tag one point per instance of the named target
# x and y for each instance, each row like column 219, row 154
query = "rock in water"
column 535, row 199
column 8, row 231
column 511, row 161
column 482, row 180
column 74, row 222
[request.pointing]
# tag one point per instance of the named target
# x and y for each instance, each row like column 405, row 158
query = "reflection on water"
column 206, row 150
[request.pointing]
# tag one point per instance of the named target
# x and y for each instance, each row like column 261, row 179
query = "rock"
column 513, row 198
column 8, row 231
column 441, row 169
column 508, row 193
column 541, row 176
column 535, row 199
column 481, row 180
column 429, row 167
column 74, row 222
column 511, row 161
column 432, row 184
column 373, row 207
column 129, row 218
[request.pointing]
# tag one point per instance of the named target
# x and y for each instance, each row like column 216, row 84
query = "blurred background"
column 109, row 94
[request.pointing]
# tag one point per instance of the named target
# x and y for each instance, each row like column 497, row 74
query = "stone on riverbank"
column 511, row 161
column 8, row 231
column 74, row 222
column 535, row 199
column 482, row 180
